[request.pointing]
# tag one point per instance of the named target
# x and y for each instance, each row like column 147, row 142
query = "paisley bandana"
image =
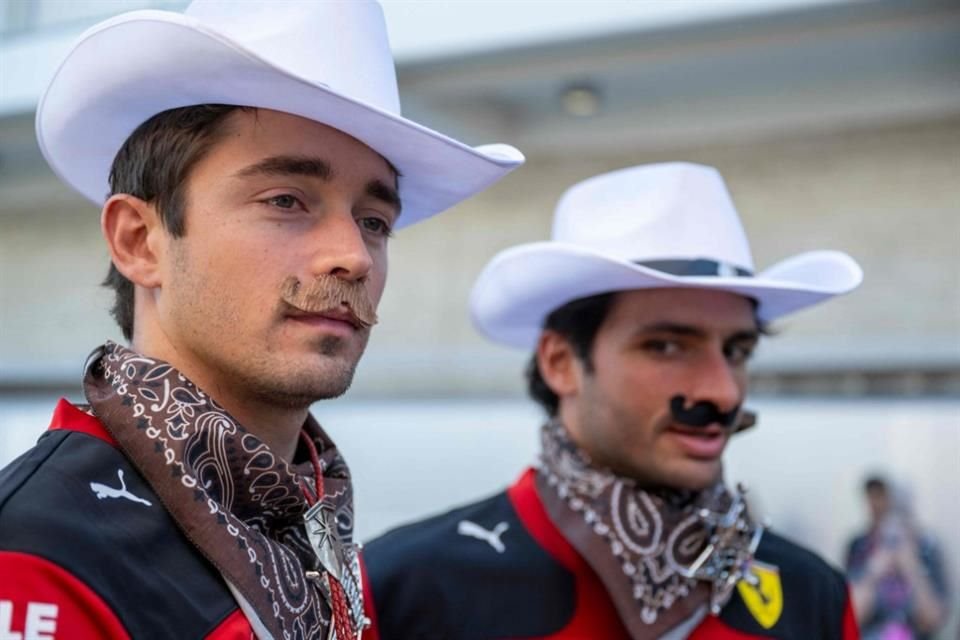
column 663, row 556
column 240, row 504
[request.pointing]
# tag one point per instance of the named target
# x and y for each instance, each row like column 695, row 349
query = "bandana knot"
column 663, row 555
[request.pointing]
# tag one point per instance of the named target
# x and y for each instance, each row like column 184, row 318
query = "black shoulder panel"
column 449, row 578
column 128, row 552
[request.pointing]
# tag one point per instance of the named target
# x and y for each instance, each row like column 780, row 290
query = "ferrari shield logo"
column 765, row 599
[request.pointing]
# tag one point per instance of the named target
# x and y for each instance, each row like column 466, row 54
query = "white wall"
column 889, row 196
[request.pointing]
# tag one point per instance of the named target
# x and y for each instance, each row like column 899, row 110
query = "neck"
column 675, row 494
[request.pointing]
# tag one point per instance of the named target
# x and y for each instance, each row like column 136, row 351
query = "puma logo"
column 491, row 537
column 103, row 491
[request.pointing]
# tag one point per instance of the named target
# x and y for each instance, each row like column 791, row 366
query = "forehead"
column 704, row 309
column 253, row 134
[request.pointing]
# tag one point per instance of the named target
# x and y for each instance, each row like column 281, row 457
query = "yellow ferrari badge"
column 765, row 599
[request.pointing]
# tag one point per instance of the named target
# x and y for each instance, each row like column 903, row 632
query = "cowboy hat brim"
column 128, row 69
column 522, row 285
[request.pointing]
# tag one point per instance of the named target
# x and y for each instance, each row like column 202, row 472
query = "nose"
column 338, row 248
column 719, row 382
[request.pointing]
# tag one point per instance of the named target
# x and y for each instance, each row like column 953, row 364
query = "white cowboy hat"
column 326, row 61
column 653, row 226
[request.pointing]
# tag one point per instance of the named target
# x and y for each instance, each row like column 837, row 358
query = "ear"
column 559, row 365
column 136, row 238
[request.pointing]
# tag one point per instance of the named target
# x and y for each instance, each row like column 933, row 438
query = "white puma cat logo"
column 491, row 537
column 103, row 491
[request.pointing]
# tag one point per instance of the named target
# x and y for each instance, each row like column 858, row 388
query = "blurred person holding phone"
column 895, row 570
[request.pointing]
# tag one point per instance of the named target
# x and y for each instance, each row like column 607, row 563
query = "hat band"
column 697, row 267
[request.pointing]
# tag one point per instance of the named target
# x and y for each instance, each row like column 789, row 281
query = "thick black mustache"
column 702, row 413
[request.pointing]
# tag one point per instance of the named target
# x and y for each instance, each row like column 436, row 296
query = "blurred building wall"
column 889, row 196
column 836, row 126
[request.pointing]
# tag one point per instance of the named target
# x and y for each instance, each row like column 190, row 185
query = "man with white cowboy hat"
column 250, row 162
column 641, row 312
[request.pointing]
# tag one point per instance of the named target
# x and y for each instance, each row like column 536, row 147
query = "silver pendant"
column 321, row 526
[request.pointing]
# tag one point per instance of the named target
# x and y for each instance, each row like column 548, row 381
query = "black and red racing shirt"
column 88, row 552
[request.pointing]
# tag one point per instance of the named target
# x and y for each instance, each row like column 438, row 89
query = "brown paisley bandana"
column 663, row 556
column 240, row 504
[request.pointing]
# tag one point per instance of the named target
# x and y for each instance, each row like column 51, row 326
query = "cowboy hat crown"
column 652, row 226
column 665, row 211
column 351, row 55
column 325, row 61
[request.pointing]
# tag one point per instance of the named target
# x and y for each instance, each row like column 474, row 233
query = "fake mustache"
column 330, row 293
column 703, row 413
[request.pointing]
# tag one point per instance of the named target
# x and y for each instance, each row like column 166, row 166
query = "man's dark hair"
column 875, row 483
column 577, row 322
column 153, row 165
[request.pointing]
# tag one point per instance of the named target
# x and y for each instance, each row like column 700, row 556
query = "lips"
column 337, row 321
column 704, row 443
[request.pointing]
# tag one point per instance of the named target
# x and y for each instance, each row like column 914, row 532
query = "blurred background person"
column 895, row 570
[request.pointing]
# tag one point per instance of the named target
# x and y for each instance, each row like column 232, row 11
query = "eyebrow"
column 696, row 332
column 317, row 168
column 740, row 336
column 385, row 193
column 289, row 165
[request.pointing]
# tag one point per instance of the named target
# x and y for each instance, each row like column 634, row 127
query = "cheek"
column 230, row 281
column 643, row 404
column 628, row 404
column 377, row 280
column 651, row 386
column 743, row 381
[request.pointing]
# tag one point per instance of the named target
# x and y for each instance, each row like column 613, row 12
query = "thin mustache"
column 330, row 293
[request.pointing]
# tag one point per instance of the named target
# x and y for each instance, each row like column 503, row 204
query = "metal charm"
column 321, row 525
column 726, row 559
